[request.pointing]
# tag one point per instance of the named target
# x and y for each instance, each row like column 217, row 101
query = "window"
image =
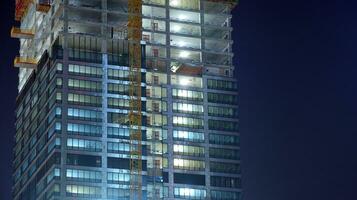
column 189, row 193
column 86, row 145
column 84, row 160
column 85, row 70
column 83, row 191
column 229, row 182
column 222, row 125
column 118, row 163
column 114, row 132
column 187, row 95
column 188, row 150
column 224, row 195
column 118, row 89
column 222, row 98
column 118, row 178
column 87, row 100
column 81, row 114
column 118, row 103
column 187, row 108
column 222, row 111
column 116, row 147
column 224, row 153
column 118, row 118
column 84, row 129
column 188, row 122
column 115, row 193
column 186, row 81
column 190, row 179
column 185, row 4
column 221, row 85
column 194, row 165
column 221, row 167
column 54, row 174
column 223, row 139
column 118, row 74
column 84, row 175
column 93, row 86
column 188, row 136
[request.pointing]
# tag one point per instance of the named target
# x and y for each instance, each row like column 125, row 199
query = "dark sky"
column 297, row 71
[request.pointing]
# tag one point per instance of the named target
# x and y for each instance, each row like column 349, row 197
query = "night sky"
column 297, row 71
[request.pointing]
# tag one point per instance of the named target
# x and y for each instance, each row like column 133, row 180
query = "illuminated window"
column 83, row 191
column 84, row 129
column 188, row 150
column 194, row 165
column 187, row 108
column 82, row 114
column 85, row 70
column 189, row 193
column 188, row 122
column 187, row 95
column 188, row 136
column 84, row 175
column 186, row 81
column 86, row 145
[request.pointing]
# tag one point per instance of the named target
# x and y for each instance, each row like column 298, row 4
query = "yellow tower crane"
column 135, row 116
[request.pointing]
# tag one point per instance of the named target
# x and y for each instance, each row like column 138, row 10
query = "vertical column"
column 205, row 102
column 64, row 101
column 169, row 105
column 104, row 97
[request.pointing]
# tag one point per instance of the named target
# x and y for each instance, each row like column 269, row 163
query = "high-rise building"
column 126, row 99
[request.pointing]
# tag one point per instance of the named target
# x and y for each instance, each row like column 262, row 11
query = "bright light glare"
column 174, row 3
column 182, row 17
column 176, row 28
column 184, row 54
column 184, row 81
column 181, row 43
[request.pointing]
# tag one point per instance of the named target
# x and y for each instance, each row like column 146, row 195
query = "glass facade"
column 73, row 131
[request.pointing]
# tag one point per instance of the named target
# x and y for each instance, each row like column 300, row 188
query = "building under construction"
column 125, row 99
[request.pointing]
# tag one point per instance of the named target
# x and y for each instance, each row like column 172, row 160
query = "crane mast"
column 135, row 115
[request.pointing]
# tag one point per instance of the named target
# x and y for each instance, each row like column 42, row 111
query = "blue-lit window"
column 116, row 147
column 114, row 132
column 118, row 178
column 87, row 145
column 82, row 114
column 54, row 174
column 84, row 175
column 84, row 129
